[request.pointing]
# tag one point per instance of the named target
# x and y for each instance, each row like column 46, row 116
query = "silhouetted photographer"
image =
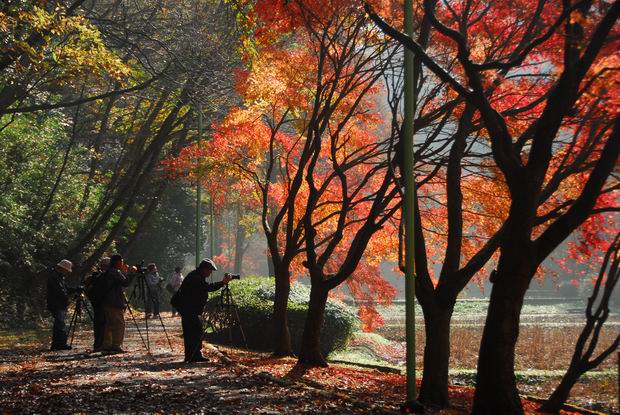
column 58, row 302
column 190, row 300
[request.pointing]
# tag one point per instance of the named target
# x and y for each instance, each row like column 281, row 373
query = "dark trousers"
column 192, row 335
column 152, row 300
column 59, row 331
column 98, row 325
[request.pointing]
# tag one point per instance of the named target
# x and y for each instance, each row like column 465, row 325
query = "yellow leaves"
column 69, row 44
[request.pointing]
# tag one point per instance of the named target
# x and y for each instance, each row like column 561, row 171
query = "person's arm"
column 121, row 279
column 214, row 286
column 217, row 285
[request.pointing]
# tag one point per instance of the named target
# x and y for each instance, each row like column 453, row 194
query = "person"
column 95, row 290
column 174, row 284
column 153, row 288
column 190, row 301
column 58, row 302
column 114, row 280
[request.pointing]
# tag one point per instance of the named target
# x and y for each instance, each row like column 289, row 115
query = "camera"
column 140, row 268
column 233, row 276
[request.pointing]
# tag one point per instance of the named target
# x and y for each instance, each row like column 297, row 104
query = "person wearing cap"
column 58, row 301
column 190, row 300
column 114, row 305
column 153, row 289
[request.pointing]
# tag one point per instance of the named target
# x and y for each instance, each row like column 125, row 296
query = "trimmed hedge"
column 254, row 298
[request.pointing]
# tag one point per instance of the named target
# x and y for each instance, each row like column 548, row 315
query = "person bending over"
column 190, row 300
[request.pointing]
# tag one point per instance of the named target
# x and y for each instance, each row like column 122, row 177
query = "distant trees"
column 121, row 86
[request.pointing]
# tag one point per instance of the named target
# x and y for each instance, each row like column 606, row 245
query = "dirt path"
column 36, row 380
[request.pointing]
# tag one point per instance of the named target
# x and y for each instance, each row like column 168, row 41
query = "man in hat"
column 58, row 301
column 190, row 300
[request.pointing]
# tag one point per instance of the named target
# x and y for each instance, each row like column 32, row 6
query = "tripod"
column 145, row 344
column 76, row 318
column 225, row 315
column 141, row 291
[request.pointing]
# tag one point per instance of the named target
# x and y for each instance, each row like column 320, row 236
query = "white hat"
column 207, row 263
column 66, row 265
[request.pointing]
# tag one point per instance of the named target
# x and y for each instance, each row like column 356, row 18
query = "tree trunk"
column 310, row 353
column 270, row 268
column 496, row 386
column 281, row 334
column 239, row 242
column 434, row 388
column 560, row 394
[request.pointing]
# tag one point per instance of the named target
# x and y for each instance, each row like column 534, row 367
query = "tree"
column 597, row 311
column 531, row 174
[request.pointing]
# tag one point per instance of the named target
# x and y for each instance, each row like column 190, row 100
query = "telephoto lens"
column 234, row 276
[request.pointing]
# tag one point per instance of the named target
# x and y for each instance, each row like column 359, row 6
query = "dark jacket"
column 57, row 294
column 192, row 296
column 113, row 282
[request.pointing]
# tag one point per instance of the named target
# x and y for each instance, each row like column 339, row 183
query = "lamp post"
column 411, row 405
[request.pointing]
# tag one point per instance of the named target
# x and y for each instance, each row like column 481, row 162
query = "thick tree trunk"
column 496, row 386
column 281, row 334
column 310, row 353
column 434, row 388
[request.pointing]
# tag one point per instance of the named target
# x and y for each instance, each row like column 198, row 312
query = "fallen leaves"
column 34, row 380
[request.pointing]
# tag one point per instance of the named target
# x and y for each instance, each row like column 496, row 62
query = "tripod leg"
column 146, row 323
column 165, row 332
column 135, row 322
column 72, row 324
column 234, row 306
column 241, row 328
column 90, row 313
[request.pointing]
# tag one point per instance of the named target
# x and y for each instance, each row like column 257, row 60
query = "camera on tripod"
column 140, row 268
column 233, row 276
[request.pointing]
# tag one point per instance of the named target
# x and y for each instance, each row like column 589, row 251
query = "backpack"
column 95, row 287
column 176, row 300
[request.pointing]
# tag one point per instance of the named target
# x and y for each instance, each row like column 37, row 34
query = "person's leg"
column 55, row 329
column 59, row 331
column 98, row 326
column 118, row 328
column 186, row 334
column 194, row 339
column 121, row 329
column 108, row 328
column 149, row 302
column 156, row 303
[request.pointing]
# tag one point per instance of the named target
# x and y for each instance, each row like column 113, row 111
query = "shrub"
column 254, row 298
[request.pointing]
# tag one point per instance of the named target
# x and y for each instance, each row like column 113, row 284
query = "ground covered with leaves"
column 35, row 380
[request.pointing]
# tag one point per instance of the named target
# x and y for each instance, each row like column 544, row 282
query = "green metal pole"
column 211, row 228
column 199, row 198
column 409, row 206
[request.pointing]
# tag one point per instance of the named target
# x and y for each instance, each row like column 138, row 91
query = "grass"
column 23, row 337
column 546, row 343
